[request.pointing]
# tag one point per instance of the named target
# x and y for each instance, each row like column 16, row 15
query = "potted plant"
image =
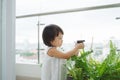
column 85, row 67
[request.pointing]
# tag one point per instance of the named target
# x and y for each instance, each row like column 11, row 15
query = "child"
column 52, row 66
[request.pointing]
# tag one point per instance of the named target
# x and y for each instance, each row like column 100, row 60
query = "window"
column 101, row 25
column 26, row 40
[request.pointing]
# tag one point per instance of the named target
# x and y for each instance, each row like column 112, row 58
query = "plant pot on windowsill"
column 69, row 77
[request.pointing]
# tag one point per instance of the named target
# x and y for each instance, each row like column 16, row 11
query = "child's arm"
column 53, row 52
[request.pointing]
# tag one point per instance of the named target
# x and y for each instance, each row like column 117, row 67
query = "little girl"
column 52, row 67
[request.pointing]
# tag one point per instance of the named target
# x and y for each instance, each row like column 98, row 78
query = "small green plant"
column 85, row 67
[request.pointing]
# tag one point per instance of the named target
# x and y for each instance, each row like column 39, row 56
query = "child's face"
column 57, row 42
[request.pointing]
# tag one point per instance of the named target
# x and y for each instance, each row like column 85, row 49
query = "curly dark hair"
column 50, row 32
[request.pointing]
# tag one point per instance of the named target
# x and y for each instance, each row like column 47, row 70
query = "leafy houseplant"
column 84, row 67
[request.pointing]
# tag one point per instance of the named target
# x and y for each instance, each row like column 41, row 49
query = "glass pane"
column 87, row 24
column 99, row 25
column 26, row 40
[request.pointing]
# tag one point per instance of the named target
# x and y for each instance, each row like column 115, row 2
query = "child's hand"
column 80, row 45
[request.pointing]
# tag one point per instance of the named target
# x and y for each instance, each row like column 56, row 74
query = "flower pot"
column 69, row 78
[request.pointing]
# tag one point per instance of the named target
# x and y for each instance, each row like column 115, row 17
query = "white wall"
column 28, row 70
column 7, row 39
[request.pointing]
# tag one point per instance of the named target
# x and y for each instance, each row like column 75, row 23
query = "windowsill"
column 26, row 78
column 28, row 70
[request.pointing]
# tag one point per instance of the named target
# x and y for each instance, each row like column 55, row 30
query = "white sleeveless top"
column 53, row 68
